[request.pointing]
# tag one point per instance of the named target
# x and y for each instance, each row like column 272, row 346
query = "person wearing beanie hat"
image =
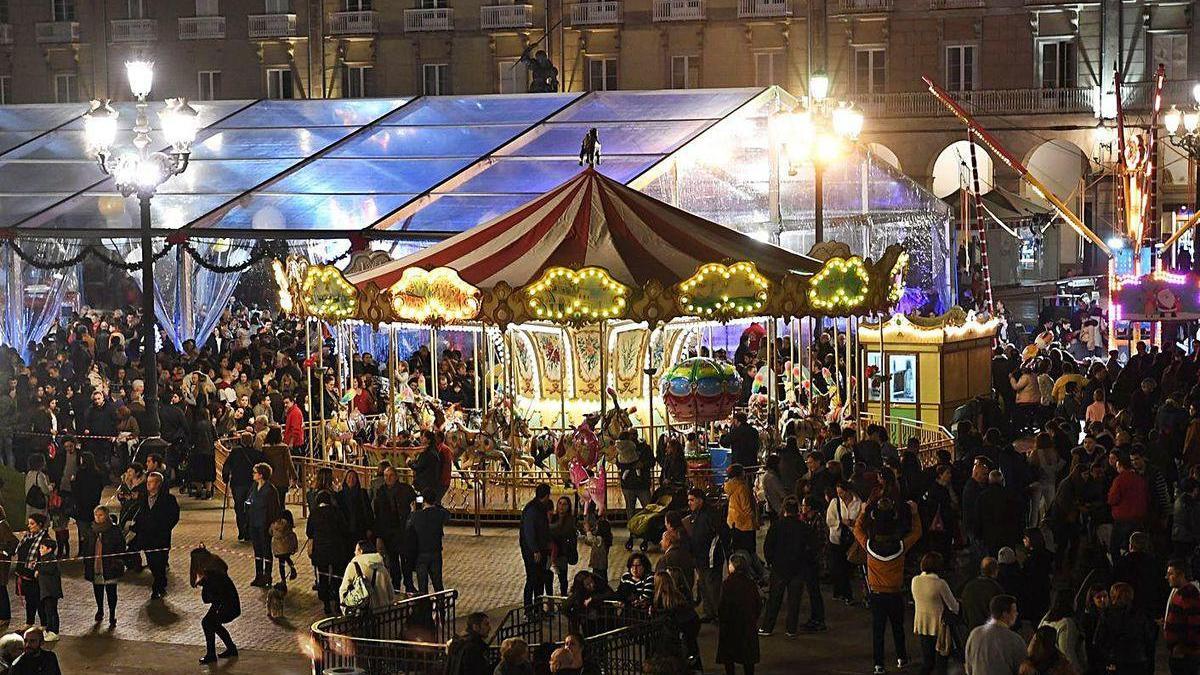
column 878, row 531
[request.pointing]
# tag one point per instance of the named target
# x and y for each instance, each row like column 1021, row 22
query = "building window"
column 768, row 68
column 870, row 67
column 512, row 77
column 434, row 4
column 278, row 7
column 135, row 9
column 65, row 90
column 1058, row 64
column 960, row 67
column 602, row 74
column 685, row 72
column 357, row 81
column 1171, row 50
column 3, row 11
column 356, row 5
column 207, row 8
column 63, row 10
column 279, row 83
column 209, row 85
column 5, row 89
column 435, row 79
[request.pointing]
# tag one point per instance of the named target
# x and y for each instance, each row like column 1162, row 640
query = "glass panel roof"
column 455, row 213
column 311, row 212
column 328, row 113
column 464, row 141
column 472, row 110
column 345, row 176
column 40, row 117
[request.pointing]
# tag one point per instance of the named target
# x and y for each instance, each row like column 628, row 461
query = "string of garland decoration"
column 85, row 252
column 257, row 254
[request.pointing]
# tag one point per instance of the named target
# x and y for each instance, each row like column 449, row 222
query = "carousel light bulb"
column 1191, row 119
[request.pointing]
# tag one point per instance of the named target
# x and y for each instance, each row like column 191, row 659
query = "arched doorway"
column 952, row 168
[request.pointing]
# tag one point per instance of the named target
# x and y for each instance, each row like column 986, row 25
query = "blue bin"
column 720, row 463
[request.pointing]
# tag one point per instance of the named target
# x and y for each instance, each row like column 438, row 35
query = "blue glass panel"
column 111, row 211
column 11, row 139
column 40, row 117
column 310, row 212
column 217, row 177
column 266, row 143
column 47, row 177
column 682, row 104
column 208, row 112
column 628, row 138
column 342, row 176
column 464, row 141
column 516, row 176
column 329, row 113
column 15, row 209
column 450, row 213
column 495, row 109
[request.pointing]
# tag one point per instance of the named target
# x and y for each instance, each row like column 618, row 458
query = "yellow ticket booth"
column 923, row 368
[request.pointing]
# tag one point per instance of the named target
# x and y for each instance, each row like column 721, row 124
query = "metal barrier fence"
column 408, row 637
column 550, row 620
column 931, row 437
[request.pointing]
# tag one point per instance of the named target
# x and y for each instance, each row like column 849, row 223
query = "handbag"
column 856, row 554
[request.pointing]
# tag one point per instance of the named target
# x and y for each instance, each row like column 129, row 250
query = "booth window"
column 902, row 374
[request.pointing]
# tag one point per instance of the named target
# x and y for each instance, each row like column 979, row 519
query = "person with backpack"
column 37, row 486
column 366, row 583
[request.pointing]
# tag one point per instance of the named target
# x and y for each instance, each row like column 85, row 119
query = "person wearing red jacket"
column 1181, row 623
column 1129, row 499
column 293, row 426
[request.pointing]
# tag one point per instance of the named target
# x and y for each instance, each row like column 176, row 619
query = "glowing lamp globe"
column 700, row 390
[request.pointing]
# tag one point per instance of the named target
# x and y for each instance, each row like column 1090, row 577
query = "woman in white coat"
column 931, row 598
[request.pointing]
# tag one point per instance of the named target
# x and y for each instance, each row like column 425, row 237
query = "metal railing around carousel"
column 410, row 636
column 931, row 437
column 617, row 639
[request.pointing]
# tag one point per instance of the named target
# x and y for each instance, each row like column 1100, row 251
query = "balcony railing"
column 57, row 31
column 955, row 4
column 201, row 27
column 862, row 6
column 678, row 10
column 134, row 30
column 272, row 25
column 427, row 20
column 1139, row 95
column 5, row 34
column 596, row 13
column 354, row 23
column 758, row 9
column 492, row 17
column 994, row 101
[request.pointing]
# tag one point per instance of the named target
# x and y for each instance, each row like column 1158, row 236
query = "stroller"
column 648, row 523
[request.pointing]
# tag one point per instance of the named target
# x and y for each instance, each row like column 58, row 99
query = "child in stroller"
column 648, row 523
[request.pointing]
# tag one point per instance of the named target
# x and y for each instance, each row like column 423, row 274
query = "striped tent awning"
column 592, row 220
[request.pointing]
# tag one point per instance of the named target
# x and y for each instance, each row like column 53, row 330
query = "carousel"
column 592, row 311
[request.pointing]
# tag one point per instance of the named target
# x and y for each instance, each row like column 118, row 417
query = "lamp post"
column 817, row 132
column 140, row 171
column 1186, row 140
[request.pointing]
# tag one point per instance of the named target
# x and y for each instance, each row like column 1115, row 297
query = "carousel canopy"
column 593, row 220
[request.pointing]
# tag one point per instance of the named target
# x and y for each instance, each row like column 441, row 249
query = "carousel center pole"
column 308, row 374
column 321, row 370
column 475, row 366
column 393, row 377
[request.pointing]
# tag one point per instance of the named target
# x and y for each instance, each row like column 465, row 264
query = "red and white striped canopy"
column 593, row 220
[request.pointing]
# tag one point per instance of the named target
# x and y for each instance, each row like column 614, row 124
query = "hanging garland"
column 85, row 252
column 257, row 254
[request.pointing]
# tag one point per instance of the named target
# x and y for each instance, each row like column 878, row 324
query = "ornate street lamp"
column 140, row 171
column 818, row 132
column 1186, row 139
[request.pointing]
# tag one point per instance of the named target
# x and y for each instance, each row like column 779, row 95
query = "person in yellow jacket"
column 880, row 530
column 743, row 512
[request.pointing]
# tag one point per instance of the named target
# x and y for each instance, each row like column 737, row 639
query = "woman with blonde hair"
column 514, row 658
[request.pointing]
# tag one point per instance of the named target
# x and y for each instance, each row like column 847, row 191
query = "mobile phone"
column 420, row 499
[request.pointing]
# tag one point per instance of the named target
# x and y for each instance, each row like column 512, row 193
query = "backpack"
column 358, row 596
column 36, row 497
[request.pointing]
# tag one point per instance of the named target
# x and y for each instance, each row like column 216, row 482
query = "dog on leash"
column 275, row 596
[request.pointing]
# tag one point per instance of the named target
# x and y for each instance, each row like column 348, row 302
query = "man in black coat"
column 468, row 652
column 35, row 660
column 742, row 441
column 237, row 472
column 159, row 515
column 535, row 542
column 703, row 526
column 791, row 552
column 427, row 466
column 100, row 419
column 392, row 506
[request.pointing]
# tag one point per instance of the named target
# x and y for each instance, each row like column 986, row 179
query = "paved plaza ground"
column 164, row 636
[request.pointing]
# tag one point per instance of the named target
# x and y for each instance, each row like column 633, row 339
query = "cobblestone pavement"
column 486, row 570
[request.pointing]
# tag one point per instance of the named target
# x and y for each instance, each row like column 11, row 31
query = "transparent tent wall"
column 725, row 175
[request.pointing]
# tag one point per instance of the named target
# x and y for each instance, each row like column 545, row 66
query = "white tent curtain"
column 33, row 297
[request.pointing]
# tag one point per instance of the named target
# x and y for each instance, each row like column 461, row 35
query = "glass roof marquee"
column 425, row 168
